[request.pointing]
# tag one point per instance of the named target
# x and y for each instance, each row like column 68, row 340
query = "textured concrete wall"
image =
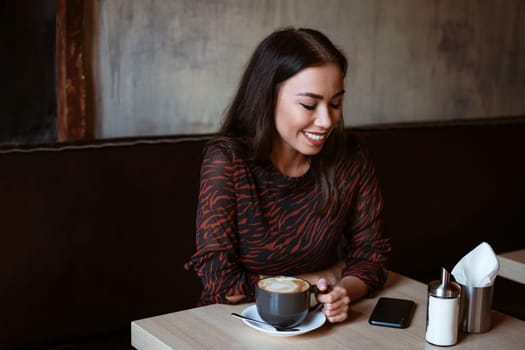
column 171, row 66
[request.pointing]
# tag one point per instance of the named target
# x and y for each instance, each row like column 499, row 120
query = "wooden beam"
column 72, row 122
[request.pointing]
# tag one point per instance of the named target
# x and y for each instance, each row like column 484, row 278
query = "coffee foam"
column 283, row 284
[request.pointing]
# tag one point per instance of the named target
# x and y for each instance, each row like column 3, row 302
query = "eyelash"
column 312, row 107
column 308, row 107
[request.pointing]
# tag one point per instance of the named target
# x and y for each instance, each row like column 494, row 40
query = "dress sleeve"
column 367, row 247
column 216, row 260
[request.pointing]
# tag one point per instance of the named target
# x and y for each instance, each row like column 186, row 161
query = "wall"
column 27, row 93
column 170, row 66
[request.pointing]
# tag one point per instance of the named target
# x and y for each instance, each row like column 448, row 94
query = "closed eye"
column 335, row 105
column 308, row 107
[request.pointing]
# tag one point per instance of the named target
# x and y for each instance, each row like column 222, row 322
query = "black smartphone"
column 392, row 312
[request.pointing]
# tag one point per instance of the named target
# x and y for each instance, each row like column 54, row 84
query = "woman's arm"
column 216, row 260
column 367, row 247
column 355, row 287
column 332, row 274
column 363, row 270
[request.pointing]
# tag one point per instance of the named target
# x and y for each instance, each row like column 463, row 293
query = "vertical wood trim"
column 72, row 121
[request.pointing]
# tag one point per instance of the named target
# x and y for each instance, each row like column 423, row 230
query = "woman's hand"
column 336, row 301
column 343, row 291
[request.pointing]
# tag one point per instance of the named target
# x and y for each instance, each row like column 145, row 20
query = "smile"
column 315, row 137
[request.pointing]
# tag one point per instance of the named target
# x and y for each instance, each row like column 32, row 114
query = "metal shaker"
column 443, row 303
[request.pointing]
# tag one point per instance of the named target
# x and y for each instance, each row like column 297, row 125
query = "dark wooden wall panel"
column 71, row 87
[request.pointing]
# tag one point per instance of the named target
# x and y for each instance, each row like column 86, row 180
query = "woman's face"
column 309, row 106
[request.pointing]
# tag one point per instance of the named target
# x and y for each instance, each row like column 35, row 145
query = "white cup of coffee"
column 283, row 301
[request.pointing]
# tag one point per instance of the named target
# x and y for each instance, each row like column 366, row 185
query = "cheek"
column 290, row 117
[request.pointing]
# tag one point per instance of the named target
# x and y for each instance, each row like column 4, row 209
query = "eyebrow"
column 319, row 97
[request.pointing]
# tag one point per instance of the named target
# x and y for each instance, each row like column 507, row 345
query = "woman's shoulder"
column 357, row 161
column 222, row 147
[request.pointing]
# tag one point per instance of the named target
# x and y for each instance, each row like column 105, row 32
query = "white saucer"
column 313, row 321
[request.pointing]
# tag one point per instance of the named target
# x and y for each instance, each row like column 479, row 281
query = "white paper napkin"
column 478, row 268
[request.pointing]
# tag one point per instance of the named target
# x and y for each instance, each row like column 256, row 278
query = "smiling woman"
column 304, row 120
column 278, row 193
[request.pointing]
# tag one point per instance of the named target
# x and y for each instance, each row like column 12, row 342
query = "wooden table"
column 512, row 265
column 212, row 327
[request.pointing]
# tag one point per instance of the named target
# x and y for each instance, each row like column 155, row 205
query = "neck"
column 293, row 165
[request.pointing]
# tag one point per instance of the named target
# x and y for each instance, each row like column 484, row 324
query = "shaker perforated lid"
column 444, row 288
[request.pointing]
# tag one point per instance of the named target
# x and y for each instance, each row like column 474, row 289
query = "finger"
column 340, row 305
column 335, row 294
column 322, row 285
column 337, row 312
column 337, row 318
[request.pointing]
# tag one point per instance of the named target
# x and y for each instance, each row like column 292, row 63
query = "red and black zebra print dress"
column 253, row 220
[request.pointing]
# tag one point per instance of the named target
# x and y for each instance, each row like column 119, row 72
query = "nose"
column 323, row 119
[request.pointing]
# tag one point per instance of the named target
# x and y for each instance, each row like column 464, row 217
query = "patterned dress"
column 252, row 220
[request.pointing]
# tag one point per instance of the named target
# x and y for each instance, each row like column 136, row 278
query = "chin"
column 311, row 151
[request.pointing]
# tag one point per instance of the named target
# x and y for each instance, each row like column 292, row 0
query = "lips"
column 316, row 139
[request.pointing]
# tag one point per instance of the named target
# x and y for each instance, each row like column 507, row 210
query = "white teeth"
column 314, row 136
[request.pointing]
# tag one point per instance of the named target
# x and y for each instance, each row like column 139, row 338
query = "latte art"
column 283, row 284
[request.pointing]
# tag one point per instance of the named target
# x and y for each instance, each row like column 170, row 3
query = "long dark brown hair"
column 249, row 124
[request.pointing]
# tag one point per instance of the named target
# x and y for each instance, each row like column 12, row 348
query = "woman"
column 278, row 194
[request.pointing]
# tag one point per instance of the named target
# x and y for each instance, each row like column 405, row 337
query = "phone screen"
column 392, row 312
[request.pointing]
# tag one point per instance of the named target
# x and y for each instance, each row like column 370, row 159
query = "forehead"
column 325, row 80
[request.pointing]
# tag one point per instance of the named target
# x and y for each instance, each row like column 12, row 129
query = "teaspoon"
column 277, row 328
